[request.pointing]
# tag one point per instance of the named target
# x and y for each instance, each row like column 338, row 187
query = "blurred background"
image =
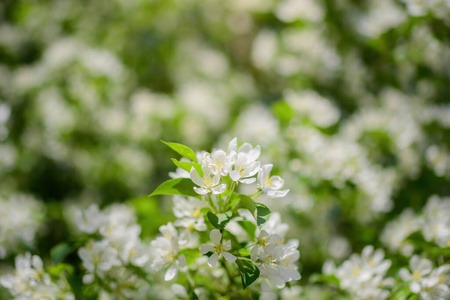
column 350, row 100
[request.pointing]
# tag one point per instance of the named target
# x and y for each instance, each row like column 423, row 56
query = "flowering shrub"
column 347, row 100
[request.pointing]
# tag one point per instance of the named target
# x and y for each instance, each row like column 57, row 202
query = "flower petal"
column 195, row 177
column 219, row 189
column 171, row 272
column 212, row 261
column 228, row 256
column 215, row 236
column 205, row 248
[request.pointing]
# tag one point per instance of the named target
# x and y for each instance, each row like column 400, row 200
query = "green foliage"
column 221, row 220
column 248, row 271
column 187, row 166
column 183, row 150
column 262, row 214
column 59, row 252
column 177, row 186
column 249, row 227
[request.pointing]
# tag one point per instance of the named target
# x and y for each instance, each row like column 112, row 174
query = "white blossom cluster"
column 109, row 260
column 221, row 173
column 433, row 223
column 428, row 282
column 364, row 276
column 30, row 281
column 19, row 211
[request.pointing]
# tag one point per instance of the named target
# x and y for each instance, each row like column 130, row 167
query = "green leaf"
column 60, row 268
column 187, row 166
column 248, row 203
column 249, row 272
column 231, row 202
column 59, row 252
column 177, row 186
column 219, row 221
column 322, row 278
column 283, row 111
column 402, row 294
column 262, row 214
column 191, row 255
column 183, row 150
column 249, row 227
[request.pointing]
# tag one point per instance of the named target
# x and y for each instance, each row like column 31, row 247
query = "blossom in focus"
column 219, row 248
column 270, row 185
column 209, row 183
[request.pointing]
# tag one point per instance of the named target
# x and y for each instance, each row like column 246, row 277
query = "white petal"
column 232, row 146
column 205, row 248
column 277, row 182
column 179, row 290
column 254, row 153
column 171, row 272
column 201, row 191
column 414, row 287
column 195, row 177
column 219, row 189
column 227, row 245
column 235, row 175
column 277, row 194
column 212, row 261
column 215, row 236
column 248, row 180
column 228, row 256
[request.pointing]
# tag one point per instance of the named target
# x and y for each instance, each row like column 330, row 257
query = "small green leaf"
column 249, row 227
column 183, row 150
column 219, row 221
column 283, row 111
column 262, row 214
column 177, row 186
column 60, row 268
column 322, row 278
column 59, row 252
column 249, row 272
column 248, row 203
column 231, row 202
column 187, row 166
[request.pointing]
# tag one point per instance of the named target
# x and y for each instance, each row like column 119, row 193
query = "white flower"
column 363, row 275
column 209, row 183
column 98, row 257
column 219, row 162
column 287, row 260
column 30, row 281
column 165, row 250
column 437, row 285
column 270, row 185
column 243, row 162
column 420, row 267
column 89, row 220
column 187, row 207
column 135, row 252
column 218, row 248
column 263, row 241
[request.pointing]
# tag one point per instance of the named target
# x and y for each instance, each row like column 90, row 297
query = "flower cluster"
column 433, row 223
column 30, row 281
column 423, row 279
column 22, row 212
column 211, row 204
column 110, row 260
column 364, row 276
